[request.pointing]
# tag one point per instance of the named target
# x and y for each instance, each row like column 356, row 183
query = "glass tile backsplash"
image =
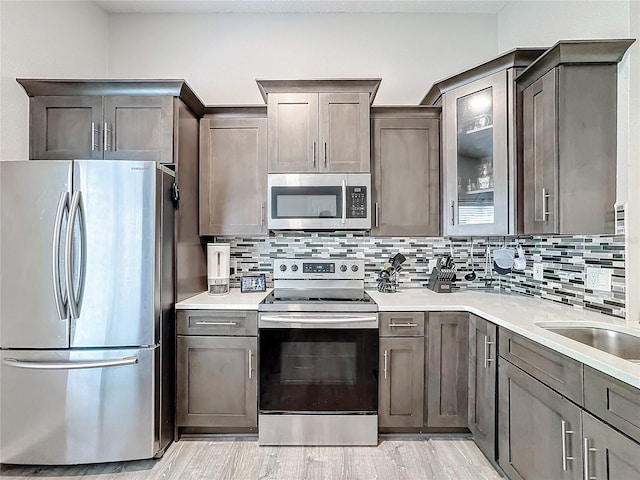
column 565, row 260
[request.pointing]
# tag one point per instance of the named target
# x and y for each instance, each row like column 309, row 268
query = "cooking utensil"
column 471, row 276
column 519, row 263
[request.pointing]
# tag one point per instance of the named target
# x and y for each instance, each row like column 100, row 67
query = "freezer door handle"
column 61, row 302
column 38, row 365
column 75, row 298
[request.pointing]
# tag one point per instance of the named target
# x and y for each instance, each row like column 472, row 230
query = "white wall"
column 44, row 39
column 221, row 55
column 543, row 23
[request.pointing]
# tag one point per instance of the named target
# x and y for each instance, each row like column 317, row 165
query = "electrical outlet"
column 598, row 279
column 538, row 271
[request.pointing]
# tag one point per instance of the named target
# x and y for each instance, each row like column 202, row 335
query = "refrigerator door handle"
column 37, row 365
column 75, row 298
column 61, row 302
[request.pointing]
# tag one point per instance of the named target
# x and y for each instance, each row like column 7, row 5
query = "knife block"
column 441, row 279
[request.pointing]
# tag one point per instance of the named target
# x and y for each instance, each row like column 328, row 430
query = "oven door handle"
column 310, row 321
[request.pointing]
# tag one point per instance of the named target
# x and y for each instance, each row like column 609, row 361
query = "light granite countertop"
column 517, row 313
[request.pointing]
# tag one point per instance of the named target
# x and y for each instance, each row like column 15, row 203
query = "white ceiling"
column 302, row 6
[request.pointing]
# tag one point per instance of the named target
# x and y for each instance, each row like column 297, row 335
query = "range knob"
column 343, row 268
column 294, row 268
column 283, row 267
column 354, row 268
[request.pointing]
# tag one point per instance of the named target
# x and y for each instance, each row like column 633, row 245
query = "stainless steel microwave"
column 319, row 201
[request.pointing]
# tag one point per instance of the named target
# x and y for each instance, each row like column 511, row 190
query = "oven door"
column 318, row 370
column 319, row 201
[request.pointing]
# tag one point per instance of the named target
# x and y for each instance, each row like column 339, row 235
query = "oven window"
column 318, row 370
column 306, row 202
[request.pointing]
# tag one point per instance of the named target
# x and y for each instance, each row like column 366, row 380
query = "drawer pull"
column 409, row 325
column 486, row 352
column 229, row 324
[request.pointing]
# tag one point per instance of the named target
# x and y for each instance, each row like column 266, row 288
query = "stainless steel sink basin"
column 616, row 343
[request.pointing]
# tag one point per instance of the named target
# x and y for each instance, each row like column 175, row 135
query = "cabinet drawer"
column 561, row 373
column 613, row 401
column 222, row 322
column 402, row 324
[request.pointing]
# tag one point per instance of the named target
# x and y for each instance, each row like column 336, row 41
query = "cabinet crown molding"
column 576, row 52
column 368, row 85
column 63, row 87
column 518, row 57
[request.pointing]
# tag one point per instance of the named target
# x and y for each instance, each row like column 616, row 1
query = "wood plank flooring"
column 437, row 458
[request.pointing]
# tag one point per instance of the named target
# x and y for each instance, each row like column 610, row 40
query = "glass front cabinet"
column 479, row 145
column 476, row 157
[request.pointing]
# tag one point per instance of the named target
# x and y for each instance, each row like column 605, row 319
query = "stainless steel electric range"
column 318, row 356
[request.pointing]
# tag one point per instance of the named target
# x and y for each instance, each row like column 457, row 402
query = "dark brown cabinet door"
column 540, row 156
column 539, row 431
column 406, row 176
column 233, row 176
column 609, row 454
column 217, row 382
column 344, row 132
column 483, row 348
column 65, row 127
column 138, row 128
column 401, row 387
column 447, row 369
column 293, row 132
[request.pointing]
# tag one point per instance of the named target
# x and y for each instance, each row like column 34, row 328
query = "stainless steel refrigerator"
column 86, row 311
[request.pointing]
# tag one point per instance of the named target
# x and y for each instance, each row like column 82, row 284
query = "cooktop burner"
column 363, row 303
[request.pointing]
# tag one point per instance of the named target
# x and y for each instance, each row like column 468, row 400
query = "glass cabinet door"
column 475, row 157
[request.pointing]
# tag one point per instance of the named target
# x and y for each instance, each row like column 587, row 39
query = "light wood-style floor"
column 437, row 458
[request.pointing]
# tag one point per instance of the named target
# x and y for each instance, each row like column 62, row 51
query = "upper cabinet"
column 318, row 125
column 104, row 119
column 479, row 137
column 405, row 171
column 233, row 171
column 569, row 128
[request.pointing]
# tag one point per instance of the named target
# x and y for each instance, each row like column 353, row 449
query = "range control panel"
column 356, row 202
column 311, row 268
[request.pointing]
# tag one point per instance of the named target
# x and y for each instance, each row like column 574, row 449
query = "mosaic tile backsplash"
column 565, row 261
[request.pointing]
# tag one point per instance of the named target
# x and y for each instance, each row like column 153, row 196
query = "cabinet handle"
column 545, row 204
column 486, row 352
column 106, row 137
column 403, row 325
column 377, row 220
column 585, row 454
column 250, row 364
column 453, row 212
column 385, row 365
column 93, row 136
column 230, row 324
column 261, row 213
column 313, row 154
column 565, row 432
column 325, row 154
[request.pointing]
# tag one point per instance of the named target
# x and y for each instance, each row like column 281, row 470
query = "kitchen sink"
column 614, row 342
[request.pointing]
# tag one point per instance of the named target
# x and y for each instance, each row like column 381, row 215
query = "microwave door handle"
column 344, row 201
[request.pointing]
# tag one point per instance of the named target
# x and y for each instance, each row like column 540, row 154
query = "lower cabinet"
column 607, row 454
column 447, row 369
column 539, row 431
column 217, row 381
column 401, row 388
column 483, row 355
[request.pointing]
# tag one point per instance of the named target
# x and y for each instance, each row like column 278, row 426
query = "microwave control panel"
column 356, row 202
